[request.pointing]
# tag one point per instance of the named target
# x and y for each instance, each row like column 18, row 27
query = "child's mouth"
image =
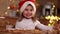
column 28, row 14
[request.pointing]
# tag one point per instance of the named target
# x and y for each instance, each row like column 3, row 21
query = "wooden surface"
column 7, row 21
column 20, row 32
column 27, row 32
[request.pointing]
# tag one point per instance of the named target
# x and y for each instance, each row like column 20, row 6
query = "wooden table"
column 25, row 32
column 20, row 32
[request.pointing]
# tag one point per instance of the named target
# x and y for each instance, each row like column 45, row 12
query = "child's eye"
column 31, row 10
column 26, row 9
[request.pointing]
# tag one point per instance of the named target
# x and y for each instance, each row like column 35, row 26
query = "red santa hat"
column 25, row 3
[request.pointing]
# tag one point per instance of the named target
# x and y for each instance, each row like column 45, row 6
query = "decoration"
column 52, row 19
column 12, row 6
column 8, row 7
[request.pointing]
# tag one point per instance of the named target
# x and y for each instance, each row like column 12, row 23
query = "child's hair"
column 21, row 15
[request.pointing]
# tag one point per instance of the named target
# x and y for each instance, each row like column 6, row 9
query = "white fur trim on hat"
column 25, row 5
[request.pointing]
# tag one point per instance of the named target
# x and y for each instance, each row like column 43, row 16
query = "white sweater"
column 27, row 24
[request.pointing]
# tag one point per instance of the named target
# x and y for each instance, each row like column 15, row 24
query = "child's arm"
column 43, row 27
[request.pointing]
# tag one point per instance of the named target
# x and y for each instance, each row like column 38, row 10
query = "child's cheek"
column 33, row 14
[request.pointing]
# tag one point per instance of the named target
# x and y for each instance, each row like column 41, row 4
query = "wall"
column 4, row 4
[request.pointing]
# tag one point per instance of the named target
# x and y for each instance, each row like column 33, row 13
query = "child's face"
column 28, row 12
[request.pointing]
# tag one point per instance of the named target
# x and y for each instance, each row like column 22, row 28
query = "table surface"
column 20, row 32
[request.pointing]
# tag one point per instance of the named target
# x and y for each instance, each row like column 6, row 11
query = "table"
column 20, row 32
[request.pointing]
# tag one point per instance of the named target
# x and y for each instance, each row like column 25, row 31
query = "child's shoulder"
column 37, row 21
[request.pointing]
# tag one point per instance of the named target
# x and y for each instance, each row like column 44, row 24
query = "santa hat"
column 25, row 3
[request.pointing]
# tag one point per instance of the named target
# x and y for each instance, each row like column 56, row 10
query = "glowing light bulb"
column 49, row 24
column 59, row 18
column 17, row 10
column 54, row 6
column 8, row 7
column 6, row 13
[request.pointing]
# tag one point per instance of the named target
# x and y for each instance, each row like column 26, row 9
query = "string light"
column 52, row 19
column 6, row 13
column 47, row 17
column 49, row 25
column 17, row 10
column 8, row 7
column 54, row 6
column 59, row 18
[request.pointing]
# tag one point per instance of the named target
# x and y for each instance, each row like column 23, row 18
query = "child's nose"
column 29, row 11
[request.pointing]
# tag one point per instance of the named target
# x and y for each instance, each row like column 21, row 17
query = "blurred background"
column 6, row 6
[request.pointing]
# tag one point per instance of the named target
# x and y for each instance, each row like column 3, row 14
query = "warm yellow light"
column 47, row 17
column 17, row 10
column 52, row 17
column 59, row 18
column 55, row 17
column 51, row 21
column 54, row 6
column 6, row 13
column 8, row 7
column 49, row 24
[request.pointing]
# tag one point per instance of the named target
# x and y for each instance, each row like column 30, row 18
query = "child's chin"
column 28, row 17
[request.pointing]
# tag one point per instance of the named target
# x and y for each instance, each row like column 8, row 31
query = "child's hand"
column 58, row 28
column 55, row 27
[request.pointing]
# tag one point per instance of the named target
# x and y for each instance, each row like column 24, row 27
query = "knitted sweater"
column 27, row 24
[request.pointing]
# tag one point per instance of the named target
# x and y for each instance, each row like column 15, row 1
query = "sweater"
column 27, row 24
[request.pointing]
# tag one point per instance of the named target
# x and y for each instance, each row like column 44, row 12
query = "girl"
column 27, row 19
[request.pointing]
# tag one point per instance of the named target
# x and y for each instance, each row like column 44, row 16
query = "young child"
column 27, row 19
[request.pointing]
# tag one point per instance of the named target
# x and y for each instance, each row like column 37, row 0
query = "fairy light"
column 6, row 13
column 59, row 18
column 54, row 6
column 8, row 7
column 52, row 19
column 47, row 17
column 17, row 10
column 49, row 24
